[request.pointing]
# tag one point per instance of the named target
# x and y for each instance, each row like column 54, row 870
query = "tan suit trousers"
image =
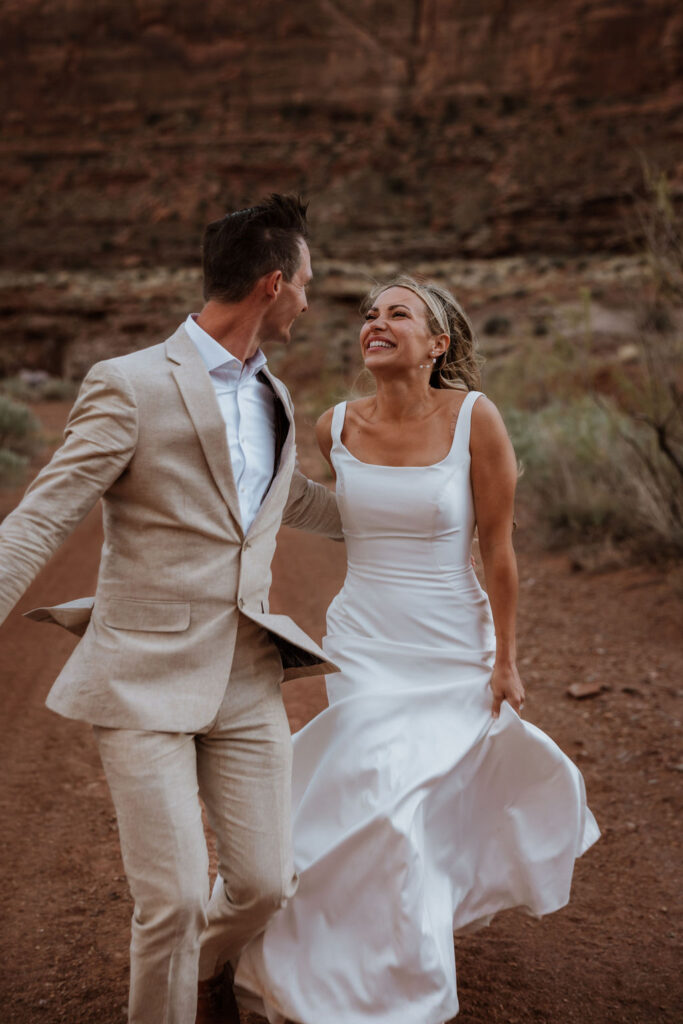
column 240, row 765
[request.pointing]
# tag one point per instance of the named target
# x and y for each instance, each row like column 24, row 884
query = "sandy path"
column 611, row 956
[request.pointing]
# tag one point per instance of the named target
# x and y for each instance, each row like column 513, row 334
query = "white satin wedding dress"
column 416, row 814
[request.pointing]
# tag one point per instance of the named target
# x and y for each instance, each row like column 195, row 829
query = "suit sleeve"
column 99, row 441
column 310, row 506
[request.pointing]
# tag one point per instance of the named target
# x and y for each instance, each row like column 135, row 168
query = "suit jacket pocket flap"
column 146, row 616
column 300, row 655
column 74, row 615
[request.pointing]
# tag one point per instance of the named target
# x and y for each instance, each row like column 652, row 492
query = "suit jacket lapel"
column 284, row 442
column 201, row 403
column 283, row 421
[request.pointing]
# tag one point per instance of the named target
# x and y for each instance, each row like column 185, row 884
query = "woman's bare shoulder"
column 449, row 404
column 324, row 421
column 488, row 432
column 358, row 408
column 361, row 404
column 323, row 432
column 485, row 414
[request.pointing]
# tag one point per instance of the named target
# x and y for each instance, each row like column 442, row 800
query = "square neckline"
column 384, row 465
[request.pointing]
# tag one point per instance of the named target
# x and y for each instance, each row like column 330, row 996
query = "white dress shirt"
column 248, row 409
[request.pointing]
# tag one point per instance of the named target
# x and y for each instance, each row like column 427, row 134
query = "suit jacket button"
column 241, row 602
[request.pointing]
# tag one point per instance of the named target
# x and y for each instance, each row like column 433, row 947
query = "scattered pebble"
column 589, row 689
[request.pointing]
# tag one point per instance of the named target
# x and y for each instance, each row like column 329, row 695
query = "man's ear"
column 272, row 283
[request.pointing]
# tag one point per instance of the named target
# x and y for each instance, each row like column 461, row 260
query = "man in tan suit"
column 190, row 445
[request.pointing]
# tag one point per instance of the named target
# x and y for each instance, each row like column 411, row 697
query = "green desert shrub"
column 19, row 438
column 58, row 389
column 12, row 467
column 41, row 388
column 582, row 470
column 600, row 467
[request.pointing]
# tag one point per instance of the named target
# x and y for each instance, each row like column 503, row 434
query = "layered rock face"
column 431, row 128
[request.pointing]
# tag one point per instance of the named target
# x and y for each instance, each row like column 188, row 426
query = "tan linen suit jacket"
column 147, row 436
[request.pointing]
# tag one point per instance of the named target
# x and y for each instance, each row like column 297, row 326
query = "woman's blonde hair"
column 459, row 366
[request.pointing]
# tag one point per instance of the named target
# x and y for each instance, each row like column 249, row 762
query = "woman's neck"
column 404, row 398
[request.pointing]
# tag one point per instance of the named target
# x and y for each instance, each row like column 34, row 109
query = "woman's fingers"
column 515, row 700
column 497, row 701
column 506, row 685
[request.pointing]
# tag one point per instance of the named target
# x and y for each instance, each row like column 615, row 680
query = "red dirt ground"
column 611, row 957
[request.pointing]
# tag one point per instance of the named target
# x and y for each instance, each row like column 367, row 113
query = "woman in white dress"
column 423, row 804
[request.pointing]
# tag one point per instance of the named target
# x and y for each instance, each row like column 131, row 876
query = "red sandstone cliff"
column 419, row 127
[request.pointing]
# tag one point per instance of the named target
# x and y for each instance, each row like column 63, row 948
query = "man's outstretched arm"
column 310, row 506
column 99, row 441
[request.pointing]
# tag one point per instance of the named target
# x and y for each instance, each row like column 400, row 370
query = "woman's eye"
column 396, row 312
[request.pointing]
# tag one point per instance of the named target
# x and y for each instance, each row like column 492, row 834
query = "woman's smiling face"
column 396, row 335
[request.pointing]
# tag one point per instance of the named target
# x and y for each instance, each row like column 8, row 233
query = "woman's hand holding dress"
column 506, row 685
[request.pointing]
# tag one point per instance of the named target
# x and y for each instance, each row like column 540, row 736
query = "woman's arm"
column 494, row 478
column 323, row 432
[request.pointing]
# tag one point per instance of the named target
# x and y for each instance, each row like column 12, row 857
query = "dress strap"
column 461, row 437
column 338, row 416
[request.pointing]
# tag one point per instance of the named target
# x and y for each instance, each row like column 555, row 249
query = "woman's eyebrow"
column 397, row 305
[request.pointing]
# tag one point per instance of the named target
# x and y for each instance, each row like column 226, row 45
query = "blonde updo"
column 460, row 364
